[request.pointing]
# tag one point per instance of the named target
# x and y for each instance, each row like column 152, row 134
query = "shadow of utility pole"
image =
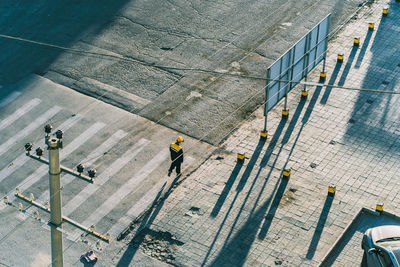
column 148, row 218
column 320, row 226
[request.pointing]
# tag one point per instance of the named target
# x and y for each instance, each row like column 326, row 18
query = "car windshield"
column 388, row 239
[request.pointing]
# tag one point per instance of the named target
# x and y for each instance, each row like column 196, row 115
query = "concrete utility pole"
column 55, row 201
column 54, row 143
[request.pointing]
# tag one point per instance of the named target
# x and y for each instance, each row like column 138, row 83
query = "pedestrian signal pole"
column 55, row 201
column 54, row 144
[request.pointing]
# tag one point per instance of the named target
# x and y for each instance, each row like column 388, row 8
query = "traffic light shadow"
column 145, row 221
column 374, row 115
column 319, row 228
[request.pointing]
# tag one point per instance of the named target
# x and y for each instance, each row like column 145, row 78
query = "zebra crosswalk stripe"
column 115, row 167
column 126, row 188
column 19, row 113
column 22, row 159
column 135, row 211
column 43, row 170
column 90, row 159
column 4, row 102
column 29, row 129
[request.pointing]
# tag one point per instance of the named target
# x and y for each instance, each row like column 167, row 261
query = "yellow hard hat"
column 179, row 139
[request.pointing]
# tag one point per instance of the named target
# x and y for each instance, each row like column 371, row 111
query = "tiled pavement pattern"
column 232, row 215
column 344, row 253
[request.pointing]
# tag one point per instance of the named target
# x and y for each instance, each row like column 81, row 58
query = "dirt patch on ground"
column 159, row 245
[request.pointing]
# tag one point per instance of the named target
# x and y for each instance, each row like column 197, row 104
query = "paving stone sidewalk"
column 227, row 214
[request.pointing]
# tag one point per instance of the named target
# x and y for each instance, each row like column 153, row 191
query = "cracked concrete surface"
column 140, row 37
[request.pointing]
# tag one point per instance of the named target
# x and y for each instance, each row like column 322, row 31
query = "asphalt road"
column 132, row 42
column 129, row 153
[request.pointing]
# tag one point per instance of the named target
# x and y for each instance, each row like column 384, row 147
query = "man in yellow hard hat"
column 176, row 156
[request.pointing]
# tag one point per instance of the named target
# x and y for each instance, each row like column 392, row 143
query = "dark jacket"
column 176, row 152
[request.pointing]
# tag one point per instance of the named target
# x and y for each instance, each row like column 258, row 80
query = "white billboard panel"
column 297, row 62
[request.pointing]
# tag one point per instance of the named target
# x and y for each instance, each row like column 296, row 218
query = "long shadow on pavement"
column 311, row 105
column 373, row 112
column 320, row 227
column 250, row 165
column 227, row 188
column 363, row 50
column 265, row 159
column 273, row 208
column 238, row 247
column 148, row 219
column 332, row 80
column 346, row 69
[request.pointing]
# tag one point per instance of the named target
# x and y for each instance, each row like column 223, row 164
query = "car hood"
column 383, row 232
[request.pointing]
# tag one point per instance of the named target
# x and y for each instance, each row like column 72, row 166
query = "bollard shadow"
column 227, row 188
column 293, row 121
column 147, row 220
column 363, row 50
column 332, row 80
column 311, row 105
column 346, row 69
column 239, row 246
column 319, row 228
column 250, row 165
column 264, row 160
column 272, row 210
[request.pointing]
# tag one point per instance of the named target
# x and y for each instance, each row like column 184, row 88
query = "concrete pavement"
column 227, row 214
column 122, row 47
column 130, row 155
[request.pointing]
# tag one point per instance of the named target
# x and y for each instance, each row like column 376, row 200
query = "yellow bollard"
column 340, row 58
column 379, row 207
column 331, row 190
column 371, row 26
column 285, row 114
column 286, row 173
column 356, row 42
column 322, row 76
column 264, row 134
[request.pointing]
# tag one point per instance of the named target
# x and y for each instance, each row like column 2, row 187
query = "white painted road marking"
column 22, row 159
column 43, row 170
column 19, row 113
column 29, row 129
column 117, row 165
column 90, row 159
column 126, row 188
column 9, row 99
column 145, row 201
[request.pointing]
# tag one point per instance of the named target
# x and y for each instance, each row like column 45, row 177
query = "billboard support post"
column 293, row 66
column 266, row 102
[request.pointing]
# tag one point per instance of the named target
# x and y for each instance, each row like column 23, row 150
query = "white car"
column 381, row 246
